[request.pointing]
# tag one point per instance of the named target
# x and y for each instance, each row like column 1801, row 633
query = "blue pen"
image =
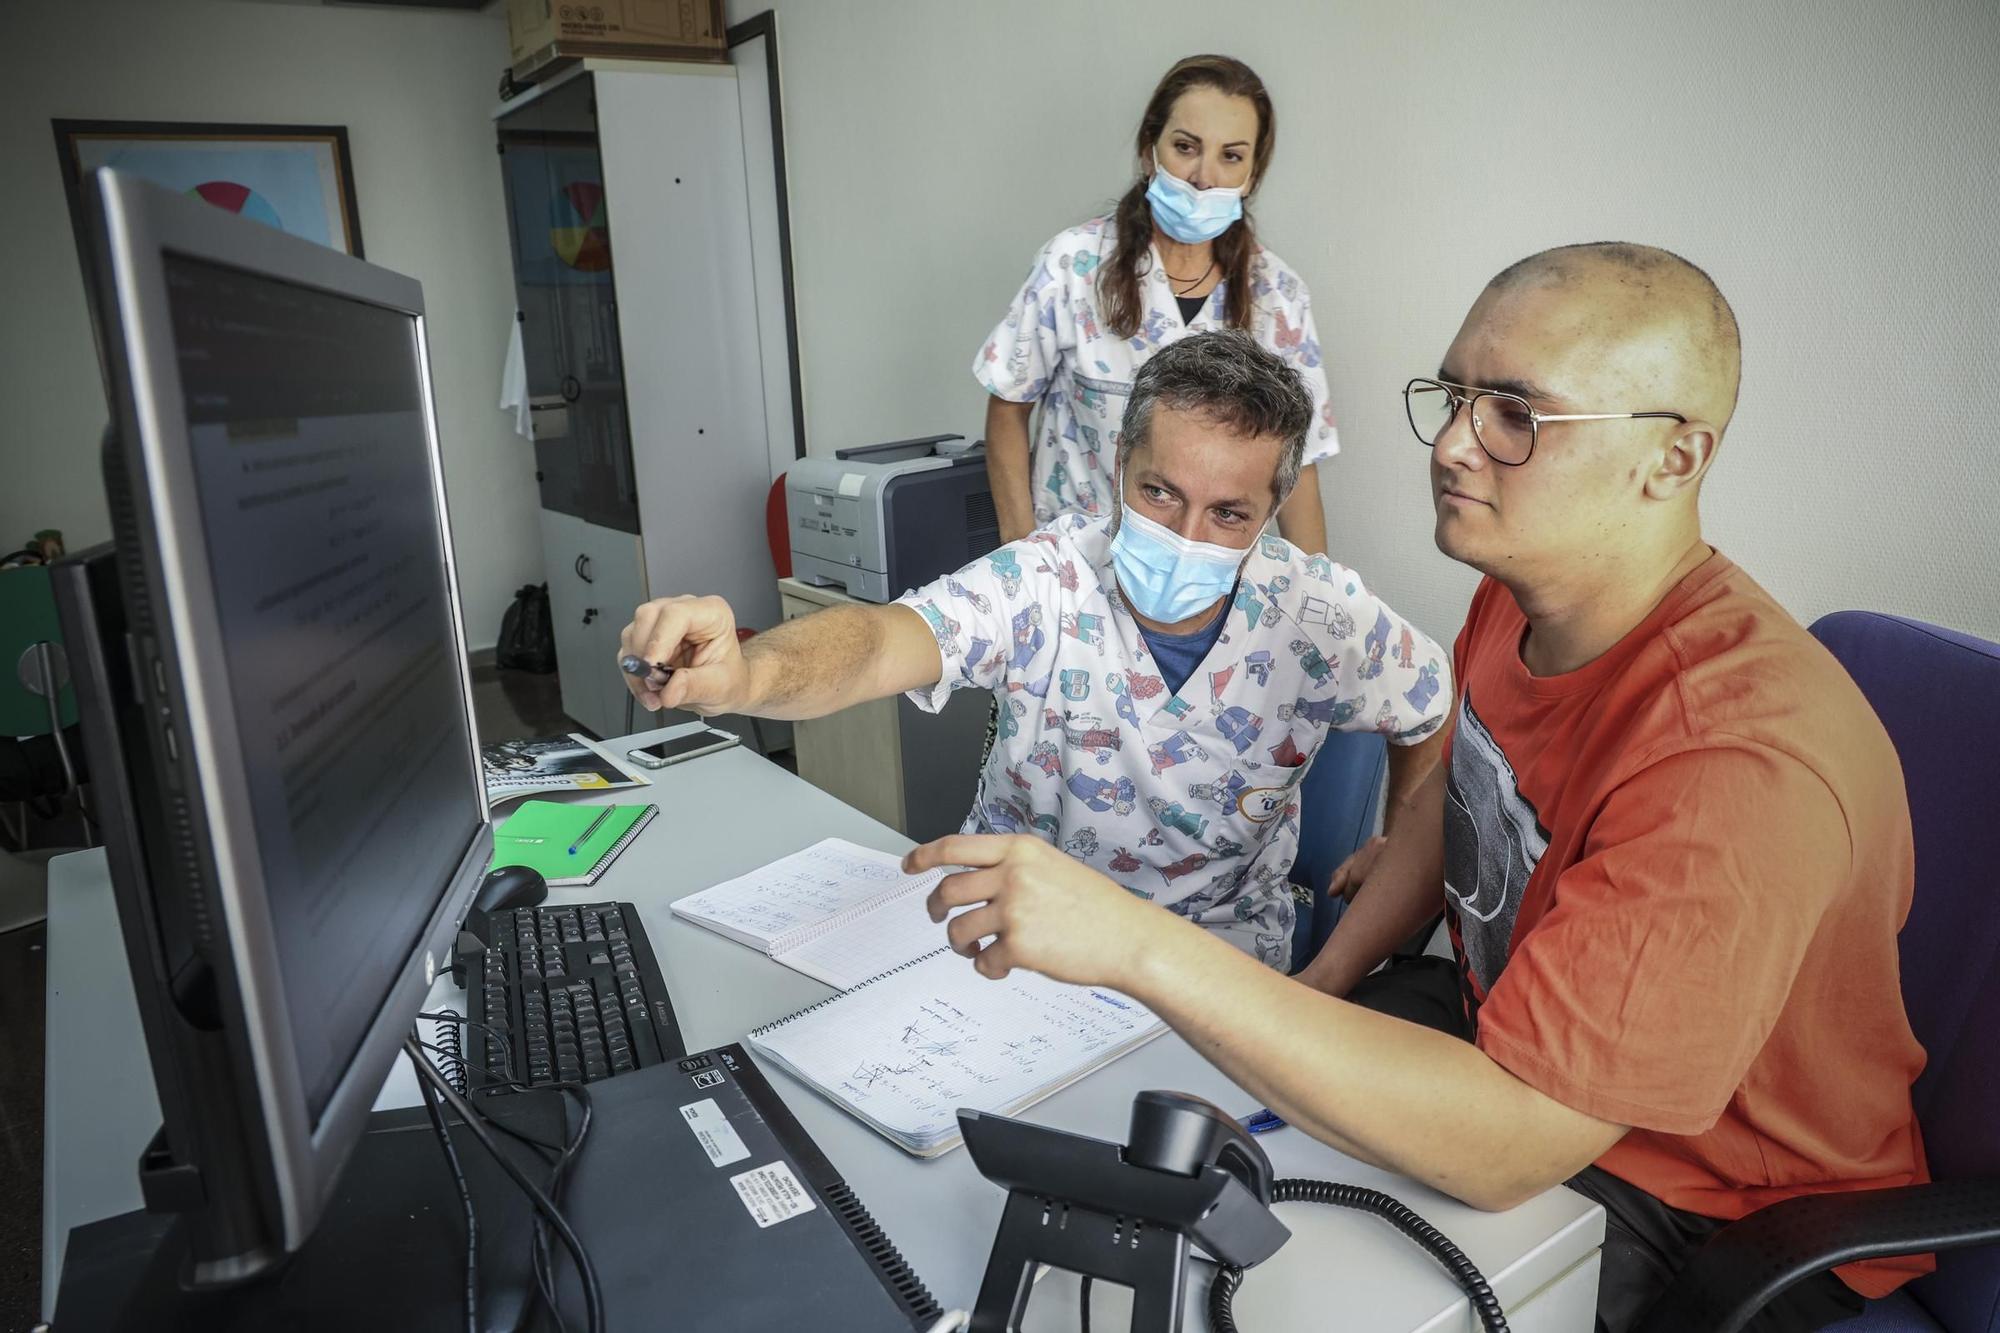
column 1263, row 1122
column 584, row 837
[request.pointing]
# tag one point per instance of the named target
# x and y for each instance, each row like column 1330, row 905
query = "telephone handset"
column 1178, row 1132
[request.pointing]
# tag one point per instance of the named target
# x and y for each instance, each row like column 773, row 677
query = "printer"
column 884, row 518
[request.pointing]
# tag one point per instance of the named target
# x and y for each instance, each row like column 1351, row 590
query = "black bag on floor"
column 527, row 638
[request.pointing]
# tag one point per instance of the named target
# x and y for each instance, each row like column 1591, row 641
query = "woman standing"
column 1178, row 256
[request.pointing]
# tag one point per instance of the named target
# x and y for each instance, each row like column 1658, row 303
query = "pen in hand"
column 653, row 673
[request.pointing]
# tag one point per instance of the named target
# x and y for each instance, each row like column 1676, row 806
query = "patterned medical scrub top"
column 1055, row 348
column 1188, row 799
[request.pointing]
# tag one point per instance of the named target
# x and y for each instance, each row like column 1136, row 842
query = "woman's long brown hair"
column 1118, row 281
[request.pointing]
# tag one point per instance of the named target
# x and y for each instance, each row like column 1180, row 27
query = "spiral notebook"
column 570, row 846
column 905, row 1050
column 838, row 912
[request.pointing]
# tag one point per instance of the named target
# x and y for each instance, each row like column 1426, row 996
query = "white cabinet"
column 596, row 576
column 629, row 214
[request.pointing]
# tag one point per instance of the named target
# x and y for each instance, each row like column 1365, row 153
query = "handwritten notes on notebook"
column 906, row 1050
column 916, row 1033
column 836, row 911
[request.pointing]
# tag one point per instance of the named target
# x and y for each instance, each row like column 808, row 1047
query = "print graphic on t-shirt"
column 1493, row 839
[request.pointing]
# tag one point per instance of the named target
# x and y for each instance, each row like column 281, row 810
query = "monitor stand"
column 388, row 1253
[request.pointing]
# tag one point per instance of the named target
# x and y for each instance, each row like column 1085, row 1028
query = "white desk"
column 722, row 815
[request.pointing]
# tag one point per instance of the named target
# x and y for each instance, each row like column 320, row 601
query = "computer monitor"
column 276, row 704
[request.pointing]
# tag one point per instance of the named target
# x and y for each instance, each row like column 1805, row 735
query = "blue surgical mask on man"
column 1189, row 215
column 1167, row 577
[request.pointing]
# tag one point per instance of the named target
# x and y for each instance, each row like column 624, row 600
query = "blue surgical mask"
column 1165, row 576
column 1189, row 215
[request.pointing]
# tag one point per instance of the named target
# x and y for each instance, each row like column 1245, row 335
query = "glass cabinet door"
column 560, row 225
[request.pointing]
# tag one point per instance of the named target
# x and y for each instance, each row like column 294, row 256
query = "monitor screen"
column 306, row 422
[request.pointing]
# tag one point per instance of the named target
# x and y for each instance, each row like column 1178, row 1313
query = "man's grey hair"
column 1233, row 381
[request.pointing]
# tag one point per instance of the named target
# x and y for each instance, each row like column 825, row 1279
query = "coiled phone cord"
column 1222, row 1294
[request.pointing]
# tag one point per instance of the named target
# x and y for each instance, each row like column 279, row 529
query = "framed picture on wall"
column 297, row 178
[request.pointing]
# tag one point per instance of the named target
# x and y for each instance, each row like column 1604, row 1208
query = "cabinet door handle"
column 582, row 567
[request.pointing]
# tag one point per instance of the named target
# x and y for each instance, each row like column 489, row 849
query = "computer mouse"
column 508, row 887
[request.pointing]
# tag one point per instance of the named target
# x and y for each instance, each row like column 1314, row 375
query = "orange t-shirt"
column 1675, row 879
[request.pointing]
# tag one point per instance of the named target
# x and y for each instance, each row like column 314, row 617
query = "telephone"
column 1187, row 1175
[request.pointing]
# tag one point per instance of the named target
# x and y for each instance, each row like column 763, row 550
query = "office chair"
column 777, row 536
column 778, row 527
column 1338, row 801
column 1938, row 695
column 40, row 753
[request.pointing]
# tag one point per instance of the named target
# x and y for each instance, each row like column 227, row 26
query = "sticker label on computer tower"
column 772, row 1194
column 718, row 1138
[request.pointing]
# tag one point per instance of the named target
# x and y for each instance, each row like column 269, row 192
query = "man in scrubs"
column 1164, row 674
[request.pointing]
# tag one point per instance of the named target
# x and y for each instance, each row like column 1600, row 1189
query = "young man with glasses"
column 1671, row 836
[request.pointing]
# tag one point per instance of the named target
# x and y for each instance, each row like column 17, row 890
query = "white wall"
column 1835, row 164
column 414, row 90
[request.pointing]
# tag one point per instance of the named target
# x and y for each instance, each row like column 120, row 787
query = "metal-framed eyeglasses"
column 1504, row 424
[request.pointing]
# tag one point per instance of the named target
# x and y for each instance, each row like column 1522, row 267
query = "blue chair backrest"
column 1938, row 695
column 1338, row 799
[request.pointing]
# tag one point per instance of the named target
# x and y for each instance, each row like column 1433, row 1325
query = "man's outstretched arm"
column 808, row 667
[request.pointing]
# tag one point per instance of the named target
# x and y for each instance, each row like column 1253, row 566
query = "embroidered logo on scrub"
column 1263, row 804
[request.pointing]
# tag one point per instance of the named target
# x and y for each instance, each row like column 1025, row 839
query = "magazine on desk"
column 548, row 765
column 915, row 1033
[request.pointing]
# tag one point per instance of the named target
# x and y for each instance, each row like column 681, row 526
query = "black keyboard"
column 574, row 993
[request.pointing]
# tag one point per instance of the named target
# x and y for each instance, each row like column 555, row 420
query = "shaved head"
column 1607, row 329
column 1658, row 323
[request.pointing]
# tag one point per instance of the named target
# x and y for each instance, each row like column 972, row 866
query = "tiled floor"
column 509, row 704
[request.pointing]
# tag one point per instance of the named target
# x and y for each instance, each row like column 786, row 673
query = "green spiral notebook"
column 570, row 846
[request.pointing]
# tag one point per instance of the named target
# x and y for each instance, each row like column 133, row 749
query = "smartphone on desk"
column 677, row 748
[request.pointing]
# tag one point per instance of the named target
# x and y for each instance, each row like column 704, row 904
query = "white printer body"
column 880, row 520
